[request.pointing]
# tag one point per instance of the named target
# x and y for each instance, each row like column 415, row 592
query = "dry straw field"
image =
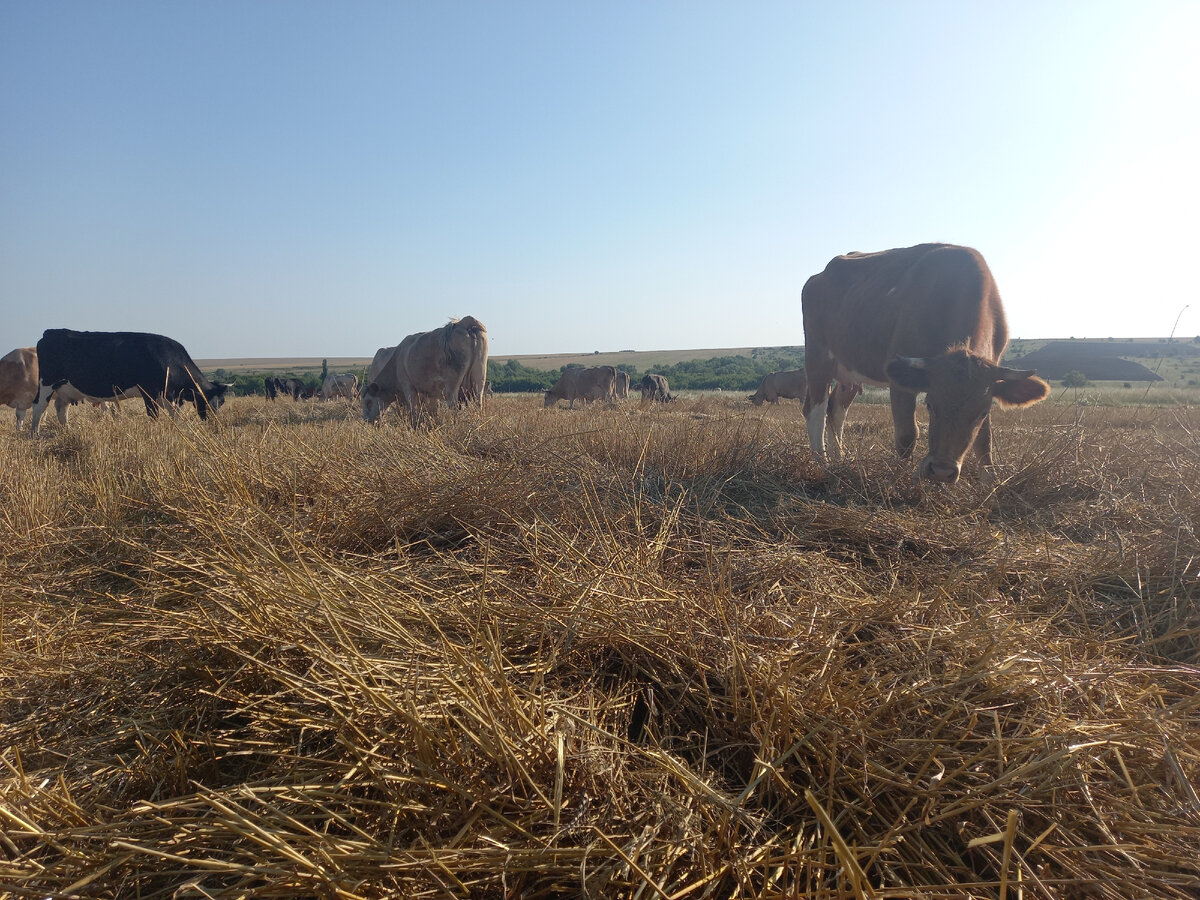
column 614, row 652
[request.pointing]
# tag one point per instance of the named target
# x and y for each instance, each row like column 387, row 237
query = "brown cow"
column 19, row 383
column 427, row 367
column 595, row 383
column 917, row 319
column 19, row 380
column 789, row 384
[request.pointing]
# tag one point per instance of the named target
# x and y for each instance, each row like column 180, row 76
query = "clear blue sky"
column 320, row 179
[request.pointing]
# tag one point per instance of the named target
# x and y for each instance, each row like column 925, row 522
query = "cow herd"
column 288, row 387
column 917, row 320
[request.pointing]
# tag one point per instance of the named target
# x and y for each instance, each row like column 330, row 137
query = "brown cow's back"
column 915, row 301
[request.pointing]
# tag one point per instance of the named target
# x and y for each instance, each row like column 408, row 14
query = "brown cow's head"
column 959, row 389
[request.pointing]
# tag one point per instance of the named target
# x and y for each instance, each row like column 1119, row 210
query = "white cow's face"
column 371, row 405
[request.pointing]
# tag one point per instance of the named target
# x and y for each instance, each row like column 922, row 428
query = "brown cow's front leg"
column 983, row 442
column 904, row 421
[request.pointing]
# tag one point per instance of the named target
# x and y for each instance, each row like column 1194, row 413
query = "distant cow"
column 345, row 385
column 918, row 319
column 621, row 386
column 789, row 384
column 112, row 365
column 293, row 387
column 428, row 367
column 655, row 387
column 586, row 385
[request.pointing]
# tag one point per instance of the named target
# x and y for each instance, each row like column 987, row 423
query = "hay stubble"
column 600, row 653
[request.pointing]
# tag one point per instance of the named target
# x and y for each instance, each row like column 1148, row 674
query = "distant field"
column 284, row 363
column 643, row 359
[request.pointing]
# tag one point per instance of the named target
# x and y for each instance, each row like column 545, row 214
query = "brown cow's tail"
column 475, row 331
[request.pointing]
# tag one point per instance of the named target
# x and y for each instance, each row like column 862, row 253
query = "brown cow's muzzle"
column 937, row 470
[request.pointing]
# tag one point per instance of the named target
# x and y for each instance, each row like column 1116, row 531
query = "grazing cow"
column 655, row 387
column 340, row 386
column 427, row 367
column 789, row 384
column 621, row 387
column 917, row 319
column 293, row 386
column 269, row 385
column 112, row 365
column 586, row 385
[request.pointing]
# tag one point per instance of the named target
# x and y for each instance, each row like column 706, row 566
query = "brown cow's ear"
column 1025, row 389
column 908, row 373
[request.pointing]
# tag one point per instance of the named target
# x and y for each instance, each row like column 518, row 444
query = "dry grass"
column 604, row 653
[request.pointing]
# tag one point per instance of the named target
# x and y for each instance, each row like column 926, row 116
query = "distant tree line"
column 729, row 373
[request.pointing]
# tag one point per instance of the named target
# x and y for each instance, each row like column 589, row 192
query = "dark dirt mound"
column 1097, row 361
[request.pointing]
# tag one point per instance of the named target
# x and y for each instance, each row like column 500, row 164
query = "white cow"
column 345, row 385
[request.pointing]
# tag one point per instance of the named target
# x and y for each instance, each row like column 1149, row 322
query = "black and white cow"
column 114, row 365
